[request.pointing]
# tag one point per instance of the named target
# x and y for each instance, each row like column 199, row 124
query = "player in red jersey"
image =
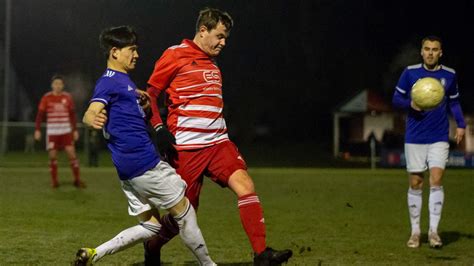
column 195, row 140
column 61, row 132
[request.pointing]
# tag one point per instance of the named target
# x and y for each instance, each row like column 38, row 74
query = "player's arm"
column 39, row 118
column 155, row 118
column 163, row 74
column 401, row 97
column 165, row 140
column 95, row 116
column 456, row 111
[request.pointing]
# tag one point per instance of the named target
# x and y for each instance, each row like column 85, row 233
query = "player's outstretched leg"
column 123, row 240
column 85, row 257
column 169, row 229
column 189, row 231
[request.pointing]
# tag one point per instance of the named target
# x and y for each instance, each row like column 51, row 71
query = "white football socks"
column 127, row 238
column 414, row 209
column 435, row 206
column 191, row 235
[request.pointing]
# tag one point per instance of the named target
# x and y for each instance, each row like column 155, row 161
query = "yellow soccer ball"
column 427, row 93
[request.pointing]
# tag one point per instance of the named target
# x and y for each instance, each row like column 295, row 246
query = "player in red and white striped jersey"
column 58, row 108
column 190, row 77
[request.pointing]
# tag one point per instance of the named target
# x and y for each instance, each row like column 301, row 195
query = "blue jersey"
column 128, row 140
column 431, row 126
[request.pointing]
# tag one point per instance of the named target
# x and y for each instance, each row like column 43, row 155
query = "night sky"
column 287, row 64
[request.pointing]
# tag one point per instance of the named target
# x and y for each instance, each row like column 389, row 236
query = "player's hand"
column 37, row 135
column 165, row 142
column 99, row 120
column 415, row 107
column 75, row 135
column 143, row 98
column 460, row 132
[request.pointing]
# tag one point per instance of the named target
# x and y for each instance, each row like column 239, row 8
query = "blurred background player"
column 148, row 183
column 427, row 136
column 189, row 75
column 61, row 132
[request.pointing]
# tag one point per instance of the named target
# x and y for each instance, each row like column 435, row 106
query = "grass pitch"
column 327, row 216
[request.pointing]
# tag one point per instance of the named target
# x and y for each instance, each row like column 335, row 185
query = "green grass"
column 327, row 216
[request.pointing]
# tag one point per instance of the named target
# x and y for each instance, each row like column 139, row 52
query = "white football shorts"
column 420, row 157
column 160, row 187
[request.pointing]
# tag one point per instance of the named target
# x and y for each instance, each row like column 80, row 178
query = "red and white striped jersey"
column 193, row 83
column 59, row 110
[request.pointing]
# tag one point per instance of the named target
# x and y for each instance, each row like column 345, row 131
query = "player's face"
column 127, row 57
column 57, row 85
column 431, row 52
column 213, row 41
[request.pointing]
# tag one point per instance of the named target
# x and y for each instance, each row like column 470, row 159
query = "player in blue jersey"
column 148, row 183
column 427, row 136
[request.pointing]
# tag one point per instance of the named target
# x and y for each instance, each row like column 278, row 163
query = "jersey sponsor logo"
column 211, row 76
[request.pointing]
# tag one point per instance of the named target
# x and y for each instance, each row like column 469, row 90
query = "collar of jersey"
column 194, row 46
column 116, row 71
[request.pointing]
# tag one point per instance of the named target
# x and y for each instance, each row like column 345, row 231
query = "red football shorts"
column 218, row 162
column 58, row 142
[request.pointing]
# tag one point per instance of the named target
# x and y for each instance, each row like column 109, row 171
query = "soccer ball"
column 427, row 93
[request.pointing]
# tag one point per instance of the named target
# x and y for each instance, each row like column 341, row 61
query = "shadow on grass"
column 453, row 236
column 192, row 263
column 448, row 237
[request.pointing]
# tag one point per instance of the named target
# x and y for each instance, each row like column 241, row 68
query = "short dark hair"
column 210, row 17
column 432, row 38
column 120, row 37
column 57, row 76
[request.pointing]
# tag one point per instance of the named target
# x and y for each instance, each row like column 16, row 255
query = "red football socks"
column 251, row 215
column 75, row 169
column 53, row 169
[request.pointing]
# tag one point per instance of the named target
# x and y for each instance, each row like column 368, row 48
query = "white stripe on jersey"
column 58, row 119
column 183, row 45
column 201, row 95
column 197, row 85
column 201, row 123
column 58, row 114
column 198, row 138
column 109, row 73
column 454, row 96
column 400, row 90
column 58, row 128
column 99, row 100
column 192, row 71
column 414, row 66
column 207, row 108
column 448, row 69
